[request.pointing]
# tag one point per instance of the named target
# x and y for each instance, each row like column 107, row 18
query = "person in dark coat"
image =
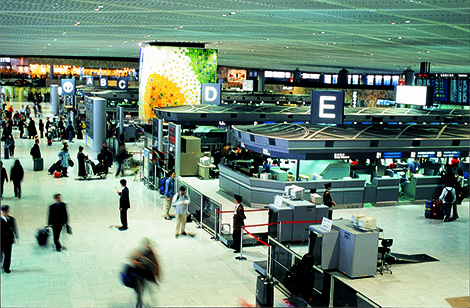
column 105, row 156
column 328, row 201
column 32, row 132
column 21, row 126
column 4, row 177
column 35, row 151
column 48, row 124
column 16, row 176
column 58, row 218
column 124, row 204
column 10, row 143
column 70, row 131
column 81, row 158
column 41, row 128
column 9, row 235
column 238, row 223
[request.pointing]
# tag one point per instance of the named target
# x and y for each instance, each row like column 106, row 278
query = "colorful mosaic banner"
column 172, row 76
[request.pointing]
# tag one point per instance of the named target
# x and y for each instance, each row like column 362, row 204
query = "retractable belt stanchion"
column 200, row 213
column 216, row 214
column 241, row 257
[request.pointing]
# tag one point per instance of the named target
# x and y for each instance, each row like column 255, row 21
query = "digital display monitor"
column 414, row 95
column 392, row 154
column 426, row 154
column 451, row 154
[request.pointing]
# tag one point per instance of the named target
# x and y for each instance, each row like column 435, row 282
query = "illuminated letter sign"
column 89, row 81
column 210, row 93
column 122, row 84
column 68, row 86
column 327, row 107
column 103, row 82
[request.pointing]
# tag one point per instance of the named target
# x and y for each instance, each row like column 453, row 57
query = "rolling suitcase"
column 38, row 164
column 264, row 292
column 437, row 210
column 427, row 208
column 6, row 153
column 42, row 236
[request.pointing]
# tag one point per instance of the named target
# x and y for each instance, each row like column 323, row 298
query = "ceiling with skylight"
column 316, row 36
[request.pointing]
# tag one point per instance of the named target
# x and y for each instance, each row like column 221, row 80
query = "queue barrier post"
column 200, row 213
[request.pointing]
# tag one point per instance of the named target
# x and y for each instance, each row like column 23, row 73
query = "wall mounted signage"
column 89, row 81
column 172, row 134
column 327, row 107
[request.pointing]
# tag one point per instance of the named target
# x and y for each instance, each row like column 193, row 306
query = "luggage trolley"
column 97, row 170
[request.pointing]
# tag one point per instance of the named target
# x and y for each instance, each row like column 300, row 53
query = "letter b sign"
column 210, row 93
column 327, row 107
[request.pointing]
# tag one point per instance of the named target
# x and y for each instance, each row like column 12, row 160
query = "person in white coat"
column 448, row 196
column 180, row 202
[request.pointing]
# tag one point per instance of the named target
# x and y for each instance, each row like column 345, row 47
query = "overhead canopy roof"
column 354, row 141
column 382, row 36
column 242, row 114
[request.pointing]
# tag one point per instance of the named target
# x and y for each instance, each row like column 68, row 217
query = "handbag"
column 68, row 228
column 71, row 163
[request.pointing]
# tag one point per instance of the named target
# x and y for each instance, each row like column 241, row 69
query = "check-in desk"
column 423, row 188
column 347, row 193
column 382, row 191
column 353, row 251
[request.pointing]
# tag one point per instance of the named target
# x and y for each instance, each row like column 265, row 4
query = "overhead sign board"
column 68, row 86
column 103, row 82
column 327, row 107
column 210, row 93
column 122, row 83
column 89, row 81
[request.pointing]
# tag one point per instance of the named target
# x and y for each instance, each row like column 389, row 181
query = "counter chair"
column 383, row 251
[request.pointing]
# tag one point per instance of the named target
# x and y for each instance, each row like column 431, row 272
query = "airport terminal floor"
column 196, row 271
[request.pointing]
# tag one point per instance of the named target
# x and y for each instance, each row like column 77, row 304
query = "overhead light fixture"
column 399, row 37
column 392, row 23
column 408, row 21
column 323, row 32
column 233, row 13
column 100, row 6
column 55, row 40
column 313, row 33
column 63, row 33
column 96, row 9
column 224, row 15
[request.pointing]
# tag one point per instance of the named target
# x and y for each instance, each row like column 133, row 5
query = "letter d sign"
column 210, row 93
column 327, row 107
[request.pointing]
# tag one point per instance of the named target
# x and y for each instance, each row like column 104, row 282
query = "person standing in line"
column 81, row 158
column 58, row 218
column 10, row 144
column 169, row 193
column 180, row 202
column 124, row 204
column 16, row 176
column 460, row 180
column 35, row 151
column 448, row 197
column 41, row 128
column 4, row 177
column 120, row 157
column 64, row 156
column 328, row 201
column 9, row 235
column 238, row 223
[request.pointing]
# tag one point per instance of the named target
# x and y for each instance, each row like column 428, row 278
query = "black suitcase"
column 55, row 167
column 264, row 292
column 43, row 235
column 38, row 164
column 6, row 153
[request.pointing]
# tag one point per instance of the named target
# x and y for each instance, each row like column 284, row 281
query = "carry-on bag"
column 427, row 208
column 38, row 164
column 6, row 153
column 57, row 174
column 42, row 236
column 437, row 210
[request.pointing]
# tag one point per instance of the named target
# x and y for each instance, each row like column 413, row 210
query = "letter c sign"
column 210, row 93
column 327, row 107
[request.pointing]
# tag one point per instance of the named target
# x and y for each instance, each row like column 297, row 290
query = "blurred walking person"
column 16, row 176
column 58, row 219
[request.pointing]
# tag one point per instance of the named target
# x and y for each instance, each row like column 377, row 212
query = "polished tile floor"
column 197, row 271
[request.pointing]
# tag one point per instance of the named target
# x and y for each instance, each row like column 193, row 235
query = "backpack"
column 449, row 198
column 129, row 276
column 162, row 185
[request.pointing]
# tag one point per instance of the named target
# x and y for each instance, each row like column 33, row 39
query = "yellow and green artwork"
column 172, row 76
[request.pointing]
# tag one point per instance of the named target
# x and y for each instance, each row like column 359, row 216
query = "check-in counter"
column 423, row 188
column 347, row 193
column 382, row 191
